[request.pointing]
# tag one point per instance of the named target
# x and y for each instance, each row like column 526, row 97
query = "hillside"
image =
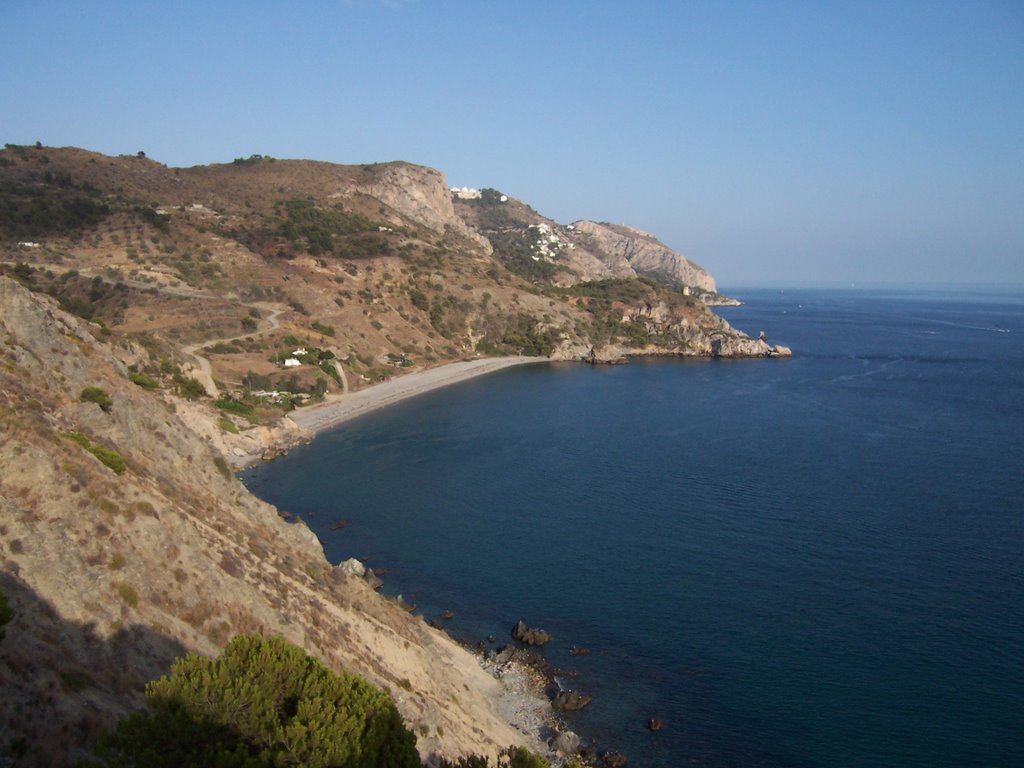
column 113, row 568
column 158, row 323
column 538, row 247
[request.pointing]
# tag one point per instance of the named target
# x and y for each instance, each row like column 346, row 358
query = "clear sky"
column 771, row 142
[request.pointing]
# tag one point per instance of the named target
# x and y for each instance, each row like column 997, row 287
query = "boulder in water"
column 524, row 634
column 565, row 742
column 570, row 701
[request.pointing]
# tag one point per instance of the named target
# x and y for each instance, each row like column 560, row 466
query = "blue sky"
column 771, row 142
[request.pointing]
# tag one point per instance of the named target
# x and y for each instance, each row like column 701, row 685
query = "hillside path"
column 203, row 371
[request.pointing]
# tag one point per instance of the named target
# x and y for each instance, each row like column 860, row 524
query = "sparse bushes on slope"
column 419, row 299
column 320, row 226
column 262, row 702
column 190, row 388
column 98, row 396
column 109, row 457
column 144, row 381
column 32, row 210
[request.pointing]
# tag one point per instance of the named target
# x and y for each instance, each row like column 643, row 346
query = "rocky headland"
column 160, row 326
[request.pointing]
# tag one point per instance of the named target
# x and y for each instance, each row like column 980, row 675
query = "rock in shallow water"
column 565, row 742
column 570, row 701
column 524, row 634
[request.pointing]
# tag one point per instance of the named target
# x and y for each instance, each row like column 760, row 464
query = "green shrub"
column 222, row 467
column 79, row 438
column 233, row 406
column 227, row 425
column 128, row 594
column 110, row 458
column 144, row 381
column 262, row 702
column 419, row 299
column 98, row 396
column 513, row 757
column 150, row 216
column 520, row 757
column 191, row 389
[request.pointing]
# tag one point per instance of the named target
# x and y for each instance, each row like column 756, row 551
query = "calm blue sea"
column 806, row 562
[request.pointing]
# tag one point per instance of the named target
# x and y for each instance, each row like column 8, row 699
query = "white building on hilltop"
column 466, row 193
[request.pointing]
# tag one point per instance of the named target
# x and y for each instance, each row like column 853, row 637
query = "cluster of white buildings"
column 468, row 193
column 548, row 242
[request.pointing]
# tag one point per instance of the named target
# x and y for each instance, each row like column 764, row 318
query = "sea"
column 815, row 561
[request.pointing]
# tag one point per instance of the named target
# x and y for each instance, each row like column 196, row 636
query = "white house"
column 466, row 193
column 291, row 362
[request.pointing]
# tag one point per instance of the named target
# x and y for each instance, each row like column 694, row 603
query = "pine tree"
column 262, row 703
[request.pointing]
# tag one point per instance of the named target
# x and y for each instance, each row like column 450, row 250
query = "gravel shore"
column 341, row 408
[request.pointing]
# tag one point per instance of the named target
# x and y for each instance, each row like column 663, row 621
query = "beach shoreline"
column 339, row 408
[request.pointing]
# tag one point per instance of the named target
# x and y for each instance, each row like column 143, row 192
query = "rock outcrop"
column 535, row 637
column 565, row 742
column 629, row 252
column 570, row 701
column 417, row 192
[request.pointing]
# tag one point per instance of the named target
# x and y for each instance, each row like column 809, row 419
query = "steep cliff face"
column 418, row 192
column 630, row 252
column 115, row 568
column 580, row 252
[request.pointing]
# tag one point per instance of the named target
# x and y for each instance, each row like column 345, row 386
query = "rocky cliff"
column 580, row 252
column 419, row 193
column 630, row 252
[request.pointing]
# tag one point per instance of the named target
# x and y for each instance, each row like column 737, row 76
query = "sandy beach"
column 336, row 409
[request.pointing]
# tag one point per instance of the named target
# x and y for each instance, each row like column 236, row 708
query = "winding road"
column 203, row 371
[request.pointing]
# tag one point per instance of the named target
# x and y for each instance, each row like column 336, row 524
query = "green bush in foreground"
column 513, row 757
column 262, row 702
